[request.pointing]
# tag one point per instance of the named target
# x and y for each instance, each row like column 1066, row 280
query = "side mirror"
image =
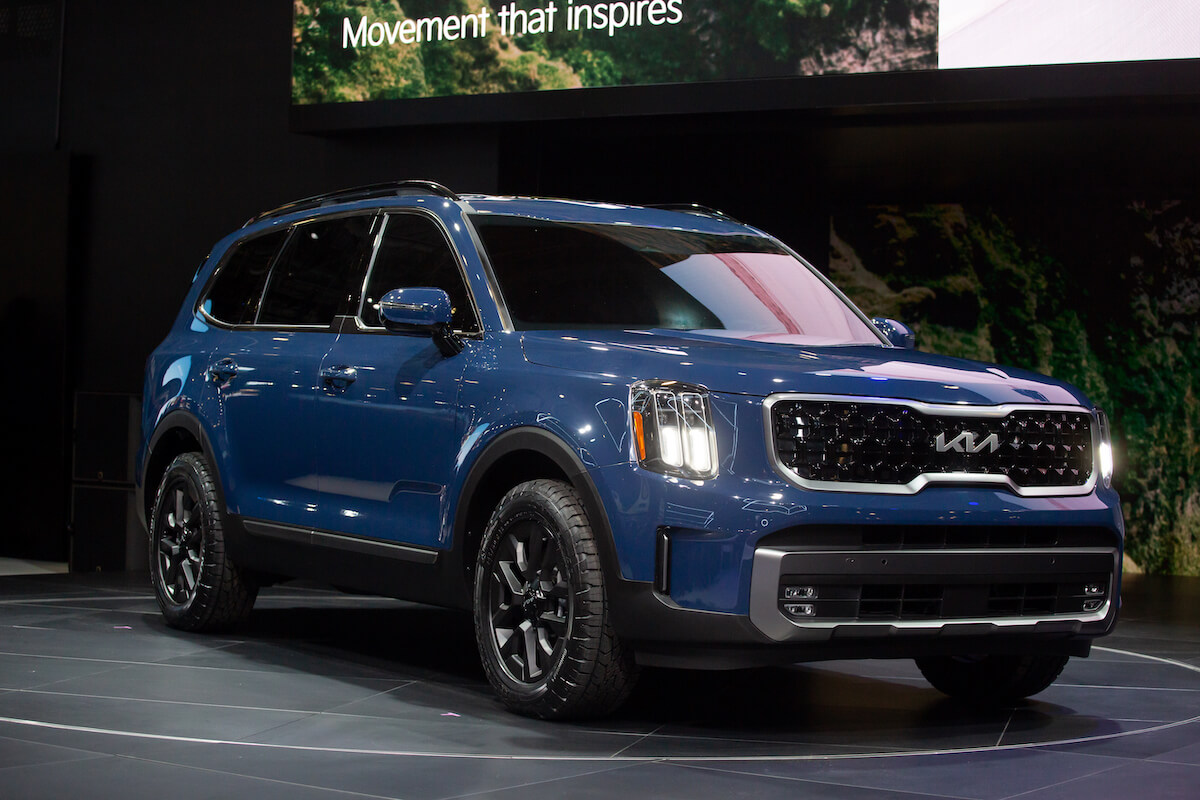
column 421, row 310
column 899, row 334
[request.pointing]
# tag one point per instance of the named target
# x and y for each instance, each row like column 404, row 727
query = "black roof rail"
column 693, row 208
column 374, row 190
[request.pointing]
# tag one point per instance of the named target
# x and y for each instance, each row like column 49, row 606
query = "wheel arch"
column 178, row 432
column 513, row 457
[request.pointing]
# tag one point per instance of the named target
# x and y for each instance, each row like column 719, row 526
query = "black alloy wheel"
column 542, row 623
column 529, row 602
column 180, row 540
column 198, row 588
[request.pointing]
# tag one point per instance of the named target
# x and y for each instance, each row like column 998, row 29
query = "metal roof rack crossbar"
column 371, row 191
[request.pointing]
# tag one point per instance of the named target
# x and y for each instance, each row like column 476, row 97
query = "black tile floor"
column 324, row 695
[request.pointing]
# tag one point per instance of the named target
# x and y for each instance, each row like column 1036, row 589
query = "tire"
column 992, row 679
column 197, row 587
column 541, row 615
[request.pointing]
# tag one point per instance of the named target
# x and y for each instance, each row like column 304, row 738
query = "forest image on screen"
column 363, row 50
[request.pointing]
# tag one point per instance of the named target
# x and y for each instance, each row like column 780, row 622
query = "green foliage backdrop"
column 1106, row 298
column 716, row 40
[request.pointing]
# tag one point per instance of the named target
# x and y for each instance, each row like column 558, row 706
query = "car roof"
column 679, row 217
column 400, row 194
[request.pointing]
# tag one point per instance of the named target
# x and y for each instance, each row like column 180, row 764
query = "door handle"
column 223, row 370
column 340, row 376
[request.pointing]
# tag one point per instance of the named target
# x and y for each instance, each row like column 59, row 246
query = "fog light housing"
column 800, row 609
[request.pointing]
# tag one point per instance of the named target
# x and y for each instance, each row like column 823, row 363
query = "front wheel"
column 197, row 586
column 541, row 614
column 992, row 679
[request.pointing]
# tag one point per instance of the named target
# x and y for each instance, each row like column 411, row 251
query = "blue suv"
column 619, row 436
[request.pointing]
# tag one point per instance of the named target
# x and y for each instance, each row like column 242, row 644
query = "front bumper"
column 664, row 634
column 703, row 563
column 932, row 591
column 704, row 566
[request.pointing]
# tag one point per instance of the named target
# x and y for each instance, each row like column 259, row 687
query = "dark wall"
column 787, row 172
column 30, row 34
column 179, row 113
column 171, row 129
column 34, row 233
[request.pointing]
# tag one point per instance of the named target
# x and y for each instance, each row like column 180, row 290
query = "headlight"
column 672, row 429
column 1104, row 452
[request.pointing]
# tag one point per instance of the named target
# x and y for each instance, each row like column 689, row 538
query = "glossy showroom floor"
column 330, row 696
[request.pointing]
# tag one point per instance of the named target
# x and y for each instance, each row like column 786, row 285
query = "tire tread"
column 224, row 594
column 598, row 672
column 993, row 679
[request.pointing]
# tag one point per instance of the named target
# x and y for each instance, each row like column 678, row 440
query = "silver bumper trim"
column 768, row 568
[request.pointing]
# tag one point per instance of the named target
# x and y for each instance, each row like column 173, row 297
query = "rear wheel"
column 992, row 679
column 197, row 586
column 541, row 614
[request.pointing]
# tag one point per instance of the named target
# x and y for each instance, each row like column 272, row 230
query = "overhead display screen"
column 355, row 51
column 1003, row 33
column 347, row 51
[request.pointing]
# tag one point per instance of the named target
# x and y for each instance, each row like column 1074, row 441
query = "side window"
column 318, row 273
column 233, row 297
column 415, row 253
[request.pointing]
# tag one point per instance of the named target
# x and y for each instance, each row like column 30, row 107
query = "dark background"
column 135, row 134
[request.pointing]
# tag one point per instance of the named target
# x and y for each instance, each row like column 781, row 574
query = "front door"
column 387, row 404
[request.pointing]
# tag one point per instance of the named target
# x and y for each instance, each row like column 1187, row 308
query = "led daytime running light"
column 1104, row 451
column 672, row 429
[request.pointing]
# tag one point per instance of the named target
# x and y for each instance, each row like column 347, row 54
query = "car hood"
column 740, row 366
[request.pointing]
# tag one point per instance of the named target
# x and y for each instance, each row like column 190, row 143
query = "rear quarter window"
column 237, row 288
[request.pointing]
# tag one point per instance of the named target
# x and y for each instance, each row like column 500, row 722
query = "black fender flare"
column 547, row 444
column 176, row 419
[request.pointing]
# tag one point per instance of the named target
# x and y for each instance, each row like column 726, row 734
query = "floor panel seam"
column 1007, row 722
column 91, row 755
column 230, row 707
column 1055, row 748
column 334, row 710
column 125, row 662
column 819, row 781
column 41, row 688
column 1123, row 688
column 178, row 765
column 60, row 599
column 637, row 741
column 1161, row 759
column 576, row 776
column 1068, row 781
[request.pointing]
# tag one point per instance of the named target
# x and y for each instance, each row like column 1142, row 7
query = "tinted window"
column 576, row 275
column 234, row 295
column 319, row 272
column 415, row 253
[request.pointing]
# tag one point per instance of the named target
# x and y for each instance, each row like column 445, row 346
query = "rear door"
column 266, row 369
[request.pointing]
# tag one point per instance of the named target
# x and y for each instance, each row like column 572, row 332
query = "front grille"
column 816, row 598
column 849, row 441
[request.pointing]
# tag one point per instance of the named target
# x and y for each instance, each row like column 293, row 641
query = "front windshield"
column 562, row 275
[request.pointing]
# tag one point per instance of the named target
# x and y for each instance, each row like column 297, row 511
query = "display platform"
column 330, row 695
